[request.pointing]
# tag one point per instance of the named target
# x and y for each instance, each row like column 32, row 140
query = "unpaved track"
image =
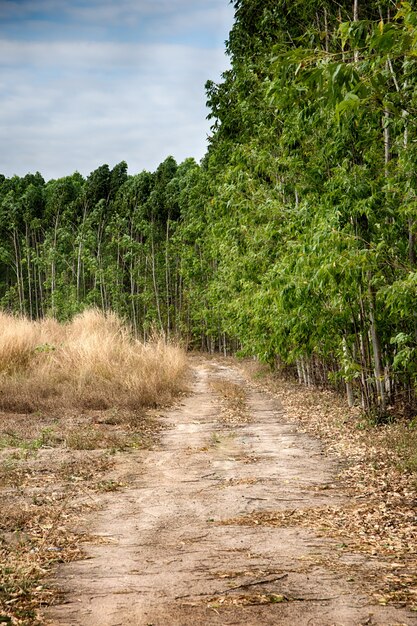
column 166, row 559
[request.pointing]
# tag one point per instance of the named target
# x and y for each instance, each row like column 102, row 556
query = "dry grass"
column 71, row 396
column 93, row 362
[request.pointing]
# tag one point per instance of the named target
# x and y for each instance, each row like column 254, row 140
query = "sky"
column 88, row 82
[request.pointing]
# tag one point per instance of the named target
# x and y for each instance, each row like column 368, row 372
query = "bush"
column 92, row 362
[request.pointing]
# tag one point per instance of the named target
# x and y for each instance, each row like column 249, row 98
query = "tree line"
column 293, row 240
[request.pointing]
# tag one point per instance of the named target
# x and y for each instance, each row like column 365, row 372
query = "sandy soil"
column 165, row 554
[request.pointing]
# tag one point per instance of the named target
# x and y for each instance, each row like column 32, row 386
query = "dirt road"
column 171, row 550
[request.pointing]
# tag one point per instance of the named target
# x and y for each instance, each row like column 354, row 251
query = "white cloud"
column 75, row 117
column 150, row 18
column 74, row 103
column 96, row 10
column 105, row 56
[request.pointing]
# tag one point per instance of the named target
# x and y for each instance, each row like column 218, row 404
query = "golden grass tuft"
column 92, row 362
column 18, row 340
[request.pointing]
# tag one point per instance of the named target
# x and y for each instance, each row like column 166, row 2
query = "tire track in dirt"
column 166, row 557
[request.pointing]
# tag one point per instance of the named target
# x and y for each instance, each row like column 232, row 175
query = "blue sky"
column 87, row 82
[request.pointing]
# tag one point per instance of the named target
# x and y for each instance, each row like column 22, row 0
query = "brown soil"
column 185, row 543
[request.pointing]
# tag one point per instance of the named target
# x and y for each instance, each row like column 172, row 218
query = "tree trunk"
column 40, row 281
column 387, row 140
column 349, row 387
column 155, row 285
column 167, row 281
column 299, row 371
column 28, row 272
column 376, row 347
column 326, row 30
column 19, row 275
column 79, row 254
column 356, row 10
column 365, row 395
column 53, row 265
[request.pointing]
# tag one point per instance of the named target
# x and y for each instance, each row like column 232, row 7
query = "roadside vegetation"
column 72, row 398
column 91, row 362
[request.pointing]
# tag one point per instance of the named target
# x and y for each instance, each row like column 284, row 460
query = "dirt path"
column 166, row 555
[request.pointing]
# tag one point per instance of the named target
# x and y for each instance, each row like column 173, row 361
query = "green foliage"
column 295, row 238
column 312, row 218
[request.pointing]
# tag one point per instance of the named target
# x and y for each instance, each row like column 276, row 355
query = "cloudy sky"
column 87, row 82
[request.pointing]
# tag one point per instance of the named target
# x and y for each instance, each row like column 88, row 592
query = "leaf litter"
column 378, row 477
column 48, row 485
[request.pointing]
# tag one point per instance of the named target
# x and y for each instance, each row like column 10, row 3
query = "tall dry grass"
column 92, row 362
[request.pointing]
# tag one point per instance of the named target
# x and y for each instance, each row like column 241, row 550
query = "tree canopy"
column 293, row 240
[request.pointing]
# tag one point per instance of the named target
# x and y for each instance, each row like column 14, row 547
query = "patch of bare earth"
column 53, row 472
column 218, row 526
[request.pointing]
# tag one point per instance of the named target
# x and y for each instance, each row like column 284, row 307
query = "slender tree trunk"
column 79, row 253
column 304, row 372
column 53, row 265
column 100, row 270
column 365, row 395
column 155, row 285
column 40, row 279
column 19, row 276
column 176, row 295
column 132, row 283
column 356, row 19
column 388, row 383
column 350, row 395
column 119, row 273
column 78, row 278
column 364, row 351
column 167, row 280
column 180, row 296
column 349, row 387
column 299, row 371
column 376, row 347
column 308, row 372
column 143, row 293
column 326, row 30
column 29, row 272
column 35, row 275
column 387, row 140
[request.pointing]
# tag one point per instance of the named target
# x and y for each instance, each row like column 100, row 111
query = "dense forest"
column 294, row 240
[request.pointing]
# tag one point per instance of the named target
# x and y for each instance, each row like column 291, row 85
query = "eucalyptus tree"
column 22, row 201
column 365, row 81
column 56, row 251
column 294, row 239
column 308, row 161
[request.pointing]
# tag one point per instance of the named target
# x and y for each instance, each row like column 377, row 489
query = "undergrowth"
column 92, row 362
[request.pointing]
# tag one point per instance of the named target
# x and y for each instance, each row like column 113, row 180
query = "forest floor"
column 238, row 515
